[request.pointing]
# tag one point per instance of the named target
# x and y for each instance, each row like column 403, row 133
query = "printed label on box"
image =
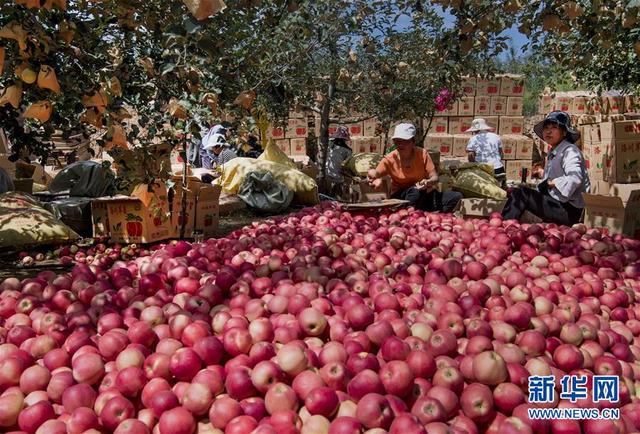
column 488, row 87
column 498, row 105
column 482, row 105
column 466, row 106
column 514, row 106
column 469, row 86
column 298, row 147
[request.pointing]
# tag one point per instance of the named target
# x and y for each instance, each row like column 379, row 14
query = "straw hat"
column 479, row 124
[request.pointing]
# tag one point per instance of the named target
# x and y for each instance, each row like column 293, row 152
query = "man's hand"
column 550, row 183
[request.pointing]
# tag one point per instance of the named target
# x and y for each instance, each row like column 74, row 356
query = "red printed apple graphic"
column 208, row 220
column 157, row 221
column 518, row 89
column 134, row 225
column 492, row 89
column 301, row 131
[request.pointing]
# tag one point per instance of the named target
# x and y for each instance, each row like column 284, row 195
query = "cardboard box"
column 595, row 106
column 375, row 145
column 514, row 106
column 509, row 146
column 142, row 217
column 488, row 87
column 451, row 110
column 297, row 114
column 630, row 103
column 546, row 104
column 524, row 150
column 482, row 106
column 622, row 161
column 369, row 127
column 203, row 208
column 514, row 169
column 466, row 106
column 562, row 103
column 356, row 129
column 275, row 132
column 370, row 194
column 469, row 86
column 512, row 85
column 360, row 145
column 493, row 122
column 190, row 210
column 284, row 146
column 208, row 210
column 297, row 128
column 594, row 154
column 620, row 130
column 298, row 146
column 459, row 124
column 579, row 105
column 498, row 105
column 439, row 125
column 440, row 142
column 460, row 145
column 615, row 105
column 614, row 206
column 477, row 207
column 511, row 125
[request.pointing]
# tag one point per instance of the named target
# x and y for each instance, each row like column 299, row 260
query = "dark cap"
column 559, row 118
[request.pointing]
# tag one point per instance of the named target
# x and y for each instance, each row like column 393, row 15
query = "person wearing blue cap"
column 559, row 195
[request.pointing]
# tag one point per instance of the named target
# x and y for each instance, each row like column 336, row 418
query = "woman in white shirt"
column 486, row 147
column 559, row 195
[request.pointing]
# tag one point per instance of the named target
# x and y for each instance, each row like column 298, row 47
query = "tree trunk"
column 324, row 133
column 386, row 140
column 183, row 205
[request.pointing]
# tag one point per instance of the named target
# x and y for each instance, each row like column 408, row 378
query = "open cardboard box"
column 142, row 217
column 370, row 194
column 203, row 207
column 614, row 206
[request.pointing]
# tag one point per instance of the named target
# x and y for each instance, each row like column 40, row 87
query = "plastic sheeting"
column 75, row 212
column 260, row 190
column 85, row 179
column 5, row 181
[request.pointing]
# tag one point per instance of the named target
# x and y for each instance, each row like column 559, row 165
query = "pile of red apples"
column 326, row 321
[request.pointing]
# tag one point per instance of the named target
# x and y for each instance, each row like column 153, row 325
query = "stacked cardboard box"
column 588, row 103
column 499, row 101
column 612, row 153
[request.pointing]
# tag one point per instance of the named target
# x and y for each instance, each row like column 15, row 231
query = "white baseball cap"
column 404, row 132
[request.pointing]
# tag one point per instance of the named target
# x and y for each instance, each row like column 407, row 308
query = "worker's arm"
column 471, row 156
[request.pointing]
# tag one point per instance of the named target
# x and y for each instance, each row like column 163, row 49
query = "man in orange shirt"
column 413, row 175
